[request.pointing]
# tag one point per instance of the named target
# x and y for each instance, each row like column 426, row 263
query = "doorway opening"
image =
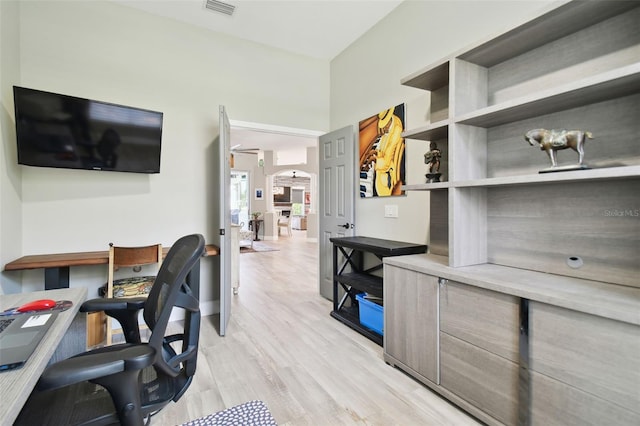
column 240, row 202
column 292, row 199
column 277, row 151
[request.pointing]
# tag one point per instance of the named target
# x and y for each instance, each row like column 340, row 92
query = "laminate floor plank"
column 283, row 348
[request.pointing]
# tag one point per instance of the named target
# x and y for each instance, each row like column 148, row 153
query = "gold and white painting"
column 382, row 148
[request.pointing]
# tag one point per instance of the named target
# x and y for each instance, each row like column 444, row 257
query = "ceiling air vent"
column 220, row 7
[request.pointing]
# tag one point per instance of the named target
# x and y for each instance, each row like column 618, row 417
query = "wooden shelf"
column 605, row 86
column 610, row 173
column 558, row 22
column 349, row 317
column 427, row 186
column 430, row 132
column 366, row 283
column 430, row 78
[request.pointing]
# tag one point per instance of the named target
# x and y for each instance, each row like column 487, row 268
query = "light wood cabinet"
column 481, row 378
column 556, row 403
column 516, row 349
column 411, row 322
column 584, row 354
column 483, row 318
column 479, row 355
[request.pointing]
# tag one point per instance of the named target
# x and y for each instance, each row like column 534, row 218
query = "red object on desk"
column 37, row 305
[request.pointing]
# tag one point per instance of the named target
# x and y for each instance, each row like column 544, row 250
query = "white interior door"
column 224, row 214
column 336, row 153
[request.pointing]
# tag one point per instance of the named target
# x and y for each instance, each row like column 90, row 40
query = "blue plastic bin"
column 371, row 314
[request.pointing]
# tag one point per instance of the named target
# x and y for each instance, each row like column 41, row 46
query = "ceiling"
column 316, row 28
column 269, row 140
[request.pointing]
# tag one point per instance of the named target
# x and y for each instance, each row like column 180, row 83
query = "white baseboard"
column 210, row 308
column 206, row 309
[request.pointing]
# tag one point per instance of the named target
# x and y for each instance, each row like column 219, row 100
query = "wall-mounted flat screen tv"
column 55, row 130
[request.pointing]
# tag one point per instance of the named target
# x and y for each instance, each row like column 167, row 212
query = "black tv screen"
column 55, row 130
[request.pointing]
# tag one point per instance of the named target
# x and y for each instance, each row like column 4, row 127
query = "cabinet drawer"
column 554, row 403
column 411, row 320
column 483, row 379
column 597, row 355
column 484, row 318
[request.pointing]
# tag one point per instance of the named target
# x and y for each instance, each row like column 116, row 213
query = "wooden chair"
column 245, row 234
column 284, row 222
column 135, row 286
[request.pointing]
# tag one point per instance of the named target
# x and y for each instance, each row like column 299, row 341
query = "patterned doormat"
column 252, row 413
column 258, row 246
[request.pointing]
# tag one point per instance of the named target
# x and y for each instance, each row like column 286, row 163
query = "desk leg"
column 55, row 278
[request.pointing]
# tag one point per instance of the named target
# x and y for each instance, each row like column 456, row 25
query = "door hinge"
column 221, row 231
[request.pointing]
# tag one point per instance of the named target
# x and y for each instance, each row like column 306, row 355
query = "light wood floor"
column 283, row 348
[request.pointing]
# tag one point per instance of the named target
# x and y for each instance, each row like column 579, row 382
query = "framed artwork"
column 381, row 149
column 259, row 194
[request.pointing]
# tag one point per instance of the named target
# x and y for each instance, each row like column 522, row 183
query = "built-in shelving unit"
column 525, row 311
column 574, row 67
column 602, row 87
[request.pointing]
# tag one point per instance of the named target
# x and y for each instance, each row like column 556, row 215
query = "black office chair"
column 127, row 383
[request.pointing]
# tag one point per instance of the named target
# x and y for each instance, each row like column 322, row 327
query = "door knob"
column 345, row 226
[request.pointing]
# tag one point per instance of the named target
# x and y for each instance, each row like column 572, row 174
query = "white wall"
column 365, row 79
column 10, row 173
column 117, row 54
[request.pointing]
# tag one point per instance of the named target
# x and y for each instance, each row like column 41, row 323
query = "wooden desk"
column 353, row 278
column 56, row 266
column 17, row 385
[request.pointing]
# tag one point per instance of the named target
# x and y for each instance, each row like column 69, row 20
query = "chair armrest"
column 113, row 304
column 124, row 310
column 93, row 365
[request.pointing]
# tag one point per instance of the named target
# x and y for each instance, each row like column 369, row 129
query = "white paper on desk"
column 36, row 321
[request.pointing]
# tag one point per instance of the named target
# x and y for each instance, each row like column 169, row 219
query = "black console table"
column 352, row 276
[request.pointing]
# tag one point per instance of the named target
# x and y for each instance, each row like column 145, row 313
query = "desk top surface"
column 57, row 260
column 17, row 384
column 379, row 246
